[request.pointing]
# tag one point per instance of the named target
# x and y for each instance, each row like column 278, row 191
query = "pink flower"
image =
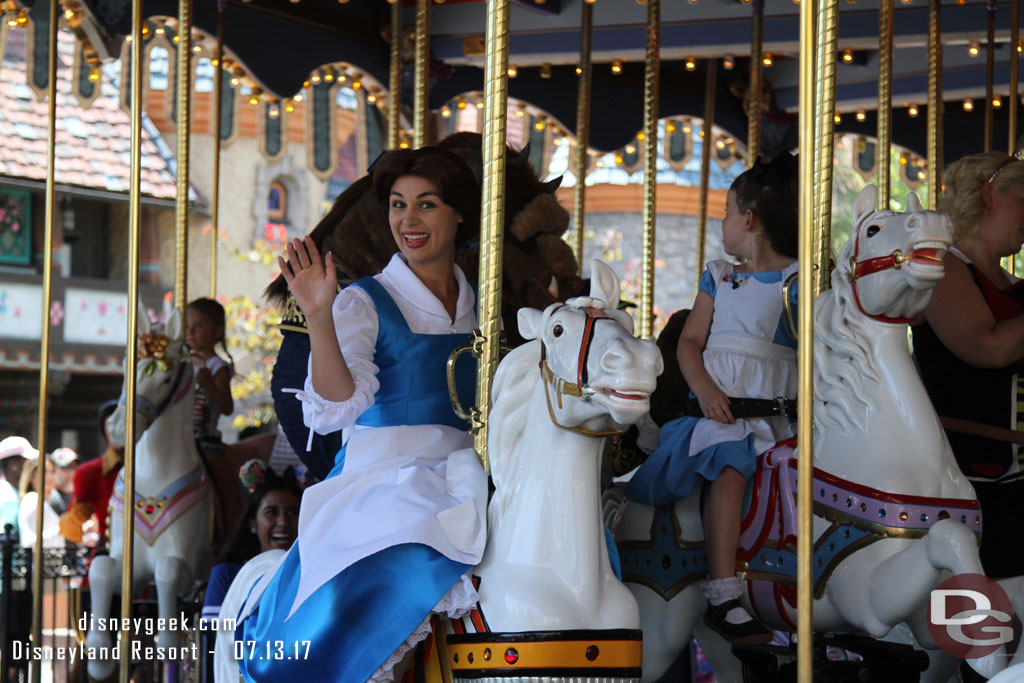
column 56, row 313
column 15, row 227
column 103, row 307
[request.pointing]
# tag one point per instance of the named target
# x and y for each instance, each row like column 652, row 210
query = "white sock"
column 718, row 591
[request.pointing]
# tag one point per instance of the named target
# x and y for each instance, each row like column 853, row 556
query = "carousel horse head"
column 588, row 352
column 893, row 260
column 162, row 374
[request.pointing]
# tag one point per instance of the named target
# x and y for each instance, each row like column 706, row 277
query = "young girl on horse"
column 738, row 356
column 204, row 330
column 388, row 538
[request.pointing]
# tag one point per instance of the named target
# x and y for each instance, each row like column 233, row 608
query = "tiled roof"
column 93, row 144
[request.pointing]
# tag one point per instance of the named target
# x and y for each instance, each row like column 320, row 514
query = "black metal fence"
column 64, row 571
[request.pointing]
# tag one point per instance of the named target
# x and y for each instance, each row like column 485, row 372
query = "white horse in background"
column 173, row 503
column 894, row 516
column 549, row 599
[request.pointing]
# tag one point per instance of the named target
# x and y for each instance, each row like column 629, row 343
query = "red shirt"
column 93, row 486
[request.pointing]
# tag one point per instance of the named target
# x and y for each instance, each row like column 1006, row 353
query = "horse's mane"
column 513, row 384
column 844, row 355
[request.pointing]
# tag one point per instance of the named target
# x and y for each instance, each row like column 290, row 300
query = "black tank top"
column 985, row 395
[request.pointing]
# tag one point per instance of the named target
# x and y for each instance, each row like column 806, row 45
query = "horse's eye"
column 557, row 330
column 873, row 230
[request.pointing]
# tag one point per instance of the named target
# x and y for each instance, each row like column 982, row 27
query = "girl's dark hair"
column 772, row 192
column 244, row 544
column 457, row 184
column 215, row 312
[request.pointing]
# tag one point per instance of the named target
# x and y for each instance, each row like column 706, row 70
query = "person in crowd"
column 270, row 521
column 85, row 521
column 737, row 354
column 14, row 450
column 970, row 347
column 28, row 510
column 371, row 536
column 66, row 460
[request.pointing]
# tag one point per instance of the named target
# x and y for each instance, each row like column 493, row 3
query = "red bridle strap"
column 859, row 269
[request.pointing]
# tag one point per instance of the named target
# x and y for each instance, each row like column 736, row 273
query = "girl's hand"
column 203, row 377
column 313, row 283
column 715, row 405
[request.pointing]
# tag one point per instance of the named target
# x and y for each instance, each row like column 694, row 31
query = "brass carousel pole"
column 1014, row 99
column 756, row 85
column 217, row 113
column 184, row 73
column 421, row 107
column 44, row 348
column 492, row 214
column 827, row 14
column 806, row 339
column 652, row 65
column 131, row 348
column 885, row 48
column 710, row 86
column 935, row 103
column 395, row 76
column 582, row 130
column 990, row 68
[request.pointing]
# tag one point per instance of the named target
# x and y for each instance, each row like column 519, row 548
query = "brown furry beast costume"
column 539, row 268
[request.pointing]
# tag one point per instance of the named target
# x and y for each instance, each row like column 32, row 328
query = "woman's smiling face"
column 422, row 224
column 277, row 521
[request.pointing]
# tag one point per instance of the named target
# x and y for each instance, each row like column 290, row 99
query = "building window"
column 159, row 63
column 277, row 203
column 204, row 75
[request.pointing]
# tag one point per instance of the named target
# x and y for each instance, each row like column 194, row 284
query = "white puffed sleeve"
column 356, row 324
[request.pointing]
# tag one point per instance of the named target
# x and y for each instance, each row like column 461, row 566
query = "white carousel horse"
column 893, row 514
column 546, row 567
column 173, row 496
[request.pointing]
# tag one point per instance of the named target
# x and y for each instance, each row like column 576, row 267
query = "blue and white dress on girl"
column 750, row 353
column 388, row 538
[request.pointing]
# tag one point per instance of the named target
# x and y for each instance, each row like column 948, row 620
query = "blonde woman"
column 970, row 349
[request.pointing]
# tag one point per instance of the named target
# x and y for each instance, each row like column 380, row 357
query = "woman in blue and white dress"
column 388, row 538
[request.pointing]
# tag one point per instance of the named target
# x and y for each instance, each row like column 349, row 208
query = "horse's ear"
column 604, row 283
column 144, row 325
column 913, row 203
column 529, row 322
column 864, row 205
column 173, row 326
column 552, row 185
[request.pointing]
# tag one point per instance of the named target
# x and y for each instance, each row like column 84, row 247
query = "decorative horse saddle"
column 859, row 515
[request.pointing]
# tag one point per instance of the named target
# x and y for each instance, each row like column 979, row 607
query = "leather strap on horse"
column 955, row 424
column 750, row 407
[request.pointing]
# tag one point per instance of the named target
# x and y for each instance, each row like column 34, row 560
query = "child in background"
column 204, row 330
column 738, row 356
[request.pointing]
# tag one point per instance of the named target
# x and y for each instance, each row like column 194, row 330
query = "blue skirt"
column 670, row 473
column 351, row 624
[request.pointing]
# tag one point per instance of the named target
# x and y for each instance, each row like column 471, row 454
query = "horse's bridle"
column 859, row 269
column 150, row 410
column 581, row 389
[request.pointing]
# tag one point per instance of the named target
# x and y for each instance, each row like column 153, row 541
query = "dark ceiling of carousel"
column 280, row 42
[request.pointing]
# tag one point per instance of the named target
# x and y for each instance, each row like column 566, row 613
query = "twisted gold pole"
column 756, row 86
column 885, row 47
column 492, row 218
column 582, row 131
column 805, row 365
column 44, row 347
column 1014, row 98
column 652, row 66
column 935, row 102
column 710, row 86
column 990, row 69
column 131, row 347
column 217, row 113
column 395, row 76
column 827, row 14
column 184, row 75
column 420, row 104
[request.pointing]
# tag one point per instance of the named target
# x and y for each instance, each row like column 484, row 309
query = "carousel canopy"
column 280, row 42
